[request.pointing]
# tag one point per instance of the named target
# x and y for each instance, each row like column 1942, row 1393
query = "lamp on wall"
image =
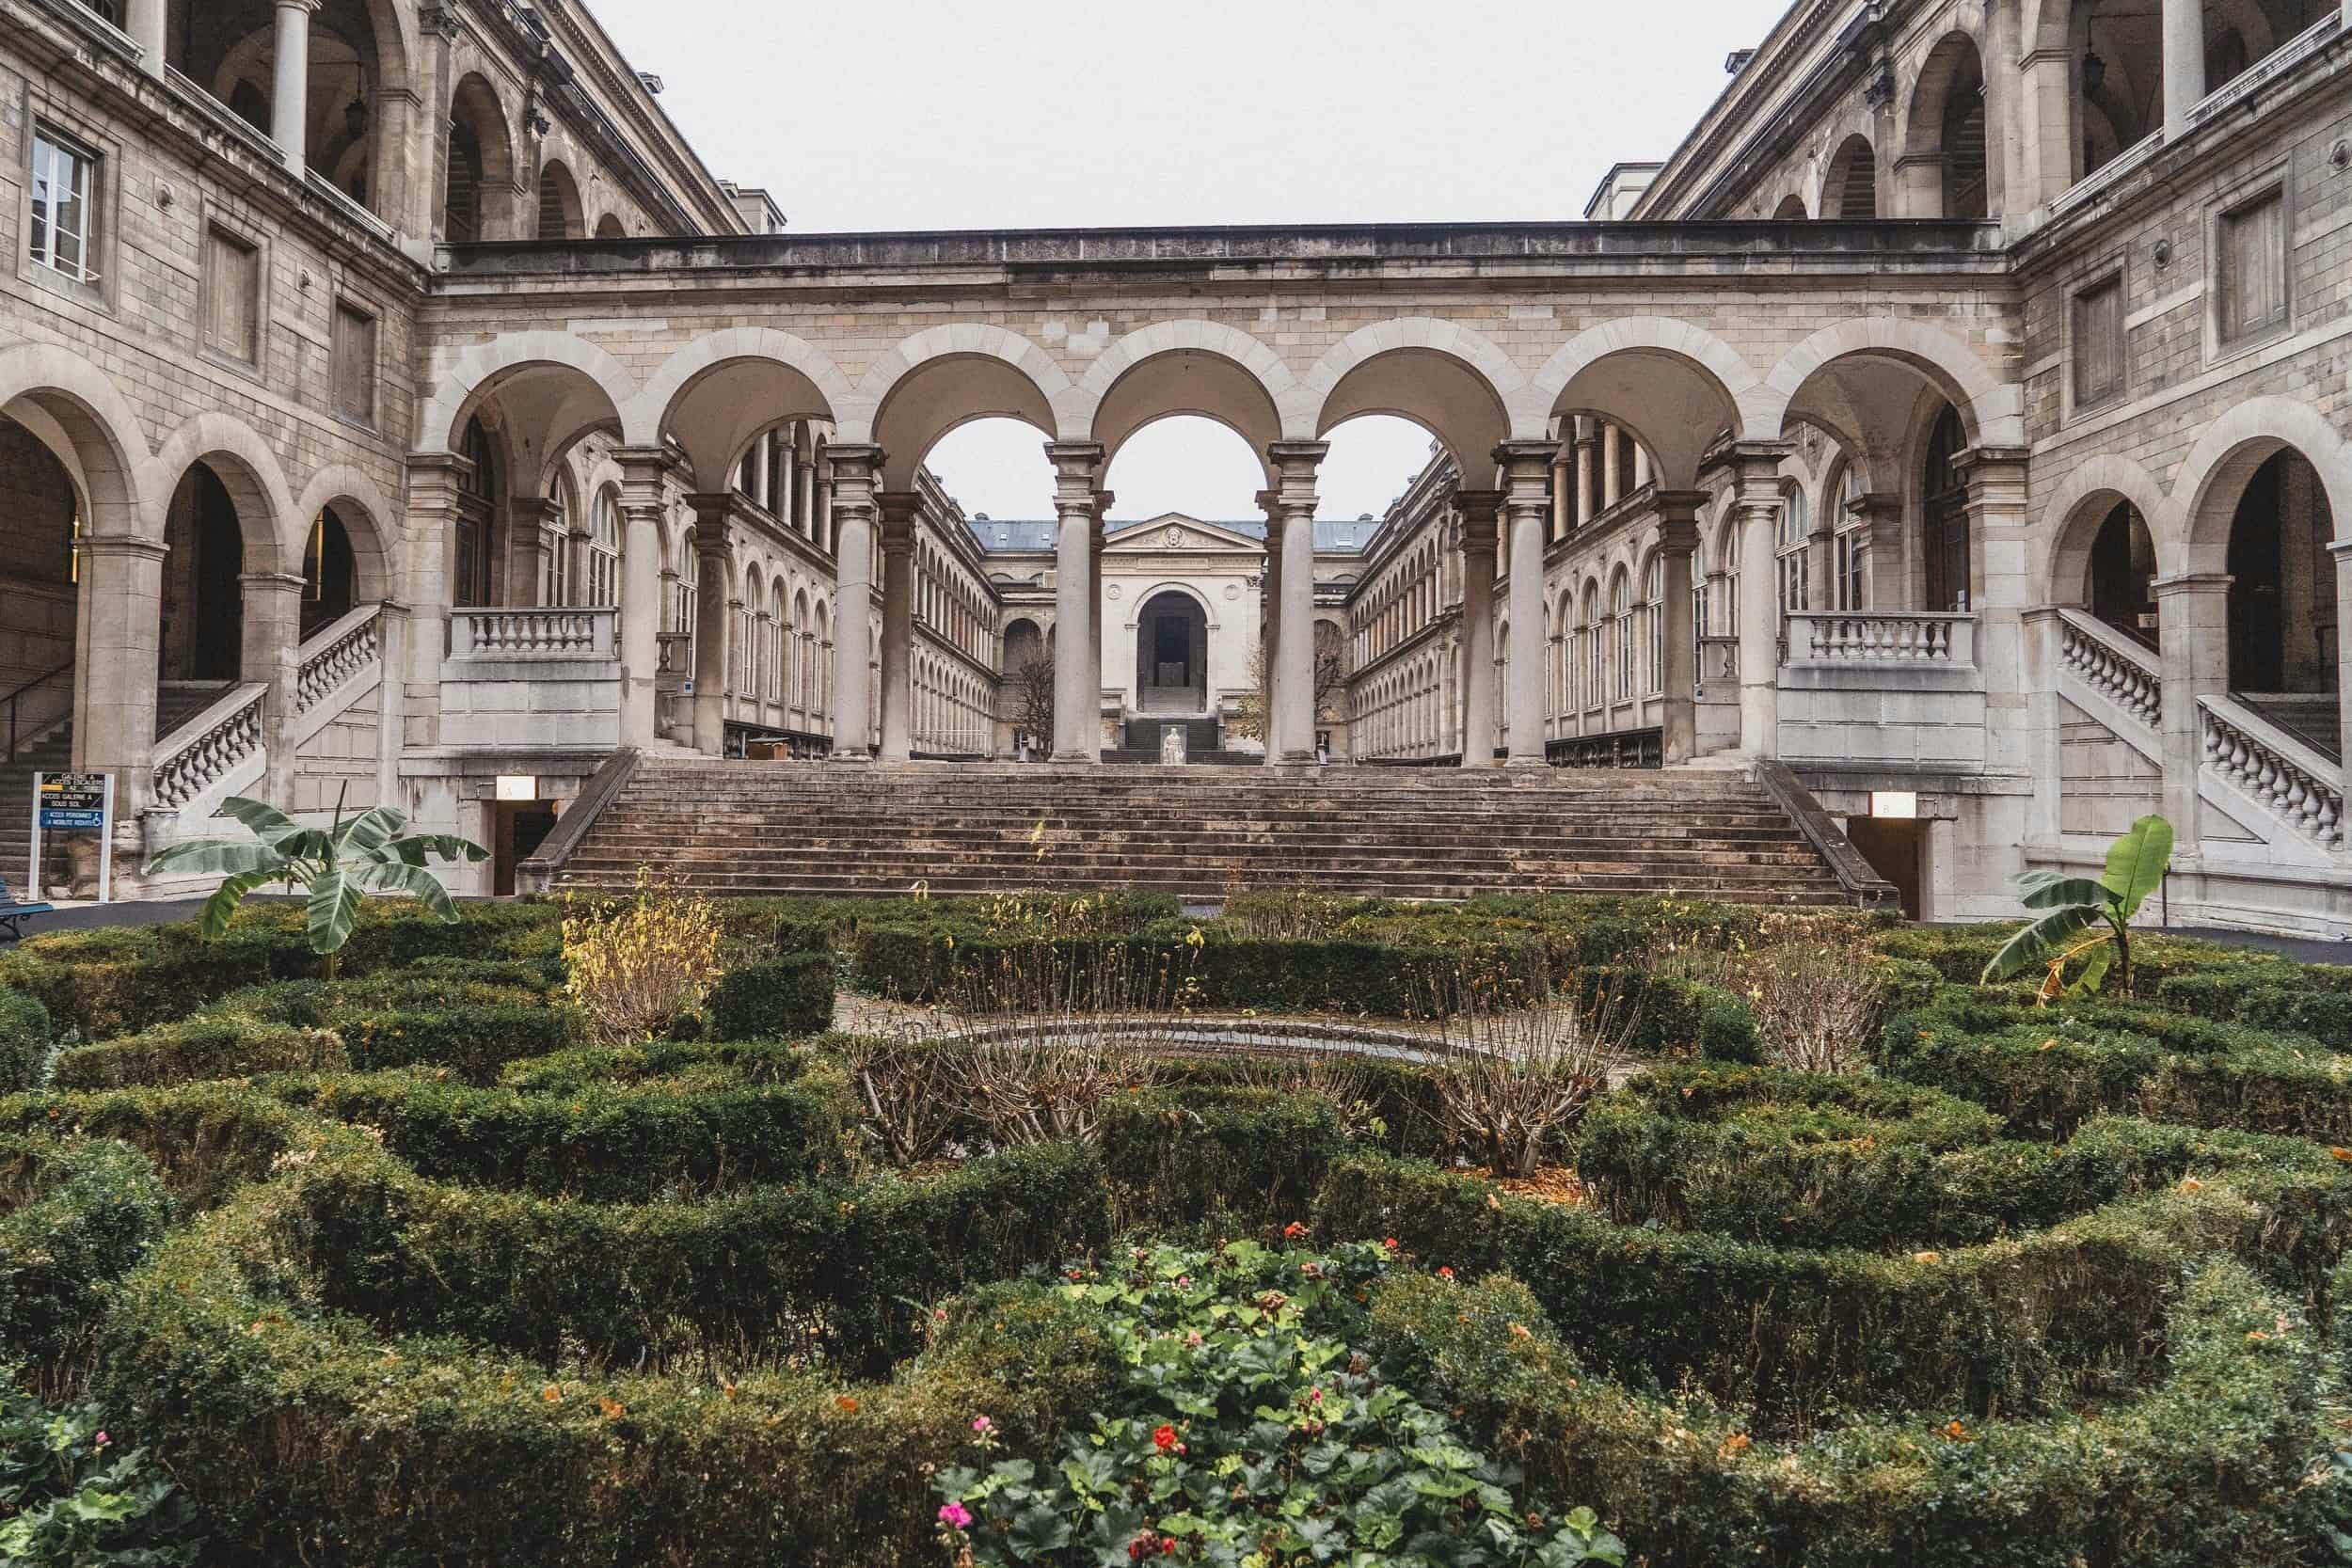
column 2094, row 70
column 356, row 117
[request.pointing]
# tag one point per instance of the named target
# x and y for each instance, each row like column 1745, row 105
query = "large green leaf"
column 219, row 857
column 2038, row 942
column 369, row 831
column 2137, row 862
column 416, row 848
column 334, row 909
column 399, row 877
column 2048, row 890
column 266, row 821
column 221, row 908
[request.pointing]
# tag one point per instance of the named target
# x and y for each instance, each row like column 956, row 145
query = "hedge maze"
column 400, row 1270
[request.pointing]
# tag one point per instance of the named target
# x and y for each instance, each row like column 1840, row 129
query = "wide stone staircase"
column 750, row 827
column 176, row 702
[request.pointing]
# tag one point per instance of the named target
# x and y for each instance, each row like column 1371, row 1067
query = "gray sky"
column 1022, row 113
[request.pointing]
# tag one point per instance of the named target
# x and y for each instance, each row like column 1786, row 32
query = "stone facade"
column 1957, row 414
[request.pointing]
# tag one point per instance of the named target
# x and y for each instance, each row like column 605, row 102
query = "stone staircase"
column 176, row 702
column 752, row 828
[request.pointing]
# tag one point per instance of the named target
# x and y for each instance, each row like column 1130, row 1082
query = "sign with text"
column 74, row 803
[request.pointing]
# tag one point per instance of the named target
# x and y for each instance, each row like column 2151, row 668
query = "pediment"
column 1173, row 530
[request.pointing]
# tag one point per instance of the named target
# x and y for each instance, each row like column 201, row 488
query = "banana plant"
column 2137, row 863
column 337, row 868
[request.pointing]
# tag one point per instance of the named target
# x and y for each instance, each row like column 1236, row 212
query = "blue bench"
column 13, row 914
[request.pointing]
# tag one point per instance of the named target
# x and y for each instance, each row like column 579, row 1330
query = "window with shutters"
column 355, row 363
column 2250, row 242
column 2099, row 342
column 232, row 295
column 65, row 204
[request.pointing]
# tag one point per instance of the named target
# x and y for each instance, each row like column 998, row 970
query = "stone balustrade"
column 339, row 653
column 216, row 741
column 559, row 633
column 1719, row 668
column 2294, row 781
column 2124, row 672
column 1883, row 637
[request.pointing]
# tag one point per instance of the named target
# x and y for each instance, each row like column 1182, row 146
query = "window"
column 65, row 195
column 555, row 586
column 355, row 363
column 2099, row 342
column 461, row 211
column 477, row 494
column 1851, row 543
column 1621, row 611
column 2251, row 241
column 1946, row 506
column 232, row 295
column 1796, row 527
column 1654, row 611
column 600, row 577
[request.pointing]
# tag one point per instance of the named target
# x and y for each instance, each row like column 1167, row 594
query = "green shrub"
column 200, row 1048
column 1727, row 1027
column 23, row 1040
column 73, row 1493
column 1251, row 1157
column 2324, row 1015
column 709, row 1061
column 602, row 1143
column 773, row 998
column 76, row 1214
column 2204, row 1467
column 474, row 1043
column 205, row 1140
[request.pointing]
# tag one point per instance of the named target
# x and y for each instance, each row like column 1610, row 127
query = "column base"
column 856, row 759
column 1075, row 757
column 1292, row 759
column 1527, row 762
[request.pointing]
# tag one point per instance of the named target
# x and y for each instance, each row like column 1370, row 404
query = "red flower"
column 1445, row 1270
column 1164, row 1438
column 1294, row 1230
column 1390, row 1244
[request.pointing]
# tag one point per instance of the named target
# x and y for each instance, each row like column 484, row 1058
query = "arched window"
column 558, row 204
column 1964, row 187
column 477, row 500
column 1946, row 499
column 1852, row 596
column 1796, row 528
column 461, row 208
column 1654, row 613
column 555, row 586
column 1851, row 190
column 1621, row 613
column 600, row 575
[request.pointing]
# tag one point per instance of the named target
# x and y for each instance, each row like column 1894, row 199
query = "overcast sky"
column 1025, row 114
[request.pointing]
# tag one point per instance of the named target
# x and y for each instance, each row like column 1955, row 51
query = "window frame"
column 2108, row 275
column 56, row 123
column 356, row 305
column 215, row 220
column 2274, row 180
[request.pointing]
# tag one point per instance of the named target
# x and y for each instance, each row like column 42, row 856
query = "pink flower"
column 1314, row 1396
column 982, row 1425
column 102, row 1440
column 955, row 1515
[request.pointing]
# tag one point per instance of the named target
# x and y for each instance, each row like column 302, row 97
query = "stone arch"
column 1181, row 367
column 1791, row 209
column 1676, row 386
column 104, row 451
column 944, row 376
column 1144, row 596
column 1953, row 67
column 1443, row 377
column 248, row 470
column 2070, row 520
column 2211, row 480
column 561, row 216
column 1991, row 410
column 369, row 519
column 611, row 227
column 1850, row 183
column 481, row 135
column 723, row 392
column 510, row 361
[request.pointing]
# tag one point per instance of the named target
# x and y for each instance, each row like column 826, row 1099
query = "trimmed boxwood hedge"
column 709, row 1061
column 76, row 1214
column 205, row 1140
column 200, row 1048
column 2206, row 1466
column 773, row 998
column 1242, row 1156
column 23, row 1040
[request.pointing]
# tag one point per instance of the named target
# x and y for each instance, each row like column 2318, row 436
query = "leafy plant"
column 1249, row 1431
column 2137, row 863
column 338, row 867
column 71, row 1497
column 637, row 965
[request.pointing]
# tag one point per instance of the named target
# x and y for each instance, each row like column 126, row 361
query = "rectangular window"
column 2099, row 342
column 2251, row 240
column 232, row 295
column 355, row 363
column 65, row 197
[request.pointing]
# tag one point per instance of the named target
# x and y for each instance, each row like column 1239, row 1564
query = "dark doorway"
column 2282, row 589
column 2122, row 568
column 518, row 828
column 1896, row 848
column 204, row 595
column 1171, row 655
column 327, row 573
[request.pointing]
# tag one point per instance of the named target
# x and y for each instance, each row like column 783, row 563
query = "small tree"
column 1330, row 689
column 1033, row 699
column 338, row 867
column 2137, row 863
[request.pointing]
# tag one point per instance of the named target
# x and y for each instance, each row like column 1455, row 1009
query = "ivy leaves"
column 1248, row 1434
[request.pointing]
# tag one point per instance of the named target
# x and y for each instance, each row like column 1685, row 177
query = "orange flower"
column 614, row 1409
column 1164, row 1437
column 846, row 1405
column 1955, row 1432
column 2190, row 1184
column 551, row 1394
column 1737, row 1443
column 1391, row 1243
column 1292, row 1232
column 1519, row 1331
column 2343, row 1154
column 1445, row 1270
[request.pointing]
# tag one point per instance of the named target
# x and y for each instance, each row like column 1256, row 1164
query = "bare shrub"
column 1288, row 915
column 906, row 1088
column 1817, row 1004
column 1511, row 1080
column 636, row 965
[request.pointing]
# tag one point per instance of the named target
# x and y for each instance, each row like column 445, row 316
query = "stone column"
column 392, row 651
column 1297, row 463
column 290, row 103
column 714, row 586
column 1270, row 626
column 2044, row 635
column 435, row 481
column 529, row 547
column 644, row 473
column 900, row 510
column 851, row 491
column 1998, row 593
column 1587, row 463
column 1478, row 624
column 1820, row 562
column 2193, row 622
column 1885, row 573
column 118, row 633
column 1097, row 548
column 273, row 654
column 2343, row 639
column 144, row 21
column 1611, row 469
column 1757, row 506
column 1640, row 466
column 1563, row 477
column 1525, row 464
column 2184, row 63
column 1678, row 541
column 2046, row 109
column 1077, row 690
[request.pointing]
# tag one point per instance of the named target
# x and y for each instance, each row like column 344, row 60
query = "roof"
column 1005, row 535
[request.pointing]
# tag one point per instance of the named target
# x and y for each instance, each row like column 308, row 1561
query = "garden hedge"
column 700, row 1061
column 773, row 998
column 1247, row 1157
column 75, row 1214
column 23, row 1040
column 200, row 1048
column 205, row 1140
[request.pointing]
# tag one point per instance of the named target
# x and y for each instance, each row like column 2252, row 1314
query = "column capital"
column 2190, row 583
column 1678, row 536
column 854, row 459
column 1681, row 506
column 1295, row 462
column 307, row 7
column 635, row 461
column 1536, row 454
column 900, row 510
column 1076, row 464
column 716, row 508
column 2342, row 552
column 538, row 509
column 124, row 546
column 439, row 464
column 274, row 582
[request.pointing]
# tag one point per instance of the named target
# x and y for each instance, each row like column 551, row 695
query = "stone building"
column 396, row 409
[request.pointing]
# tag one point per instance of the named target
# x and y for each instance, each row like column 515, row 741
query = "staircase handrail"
column 2134, row 678
column 337, row 650
column 15, row 701
column 537, row 872
column 2275, row 767
column 1856, row 876
column 209, row 744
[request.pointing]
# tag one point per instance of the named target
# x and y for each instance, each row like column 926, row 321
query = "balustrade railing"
column 533, row 633
column 1902, row 637
column 1718, row 669
column 337, row 653
column 2124, row 672
column 2301, row 787
column 34, row 709
column 674, row 654
column 208, row 746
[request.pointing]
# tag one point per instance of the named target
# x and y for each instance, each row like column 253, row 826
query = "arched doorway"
column 2122, row 568
column 2282, row 598
column 203, row 600
column 1943, row 515
column 329, row 573
column 39, row 578
column 1171, row 655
